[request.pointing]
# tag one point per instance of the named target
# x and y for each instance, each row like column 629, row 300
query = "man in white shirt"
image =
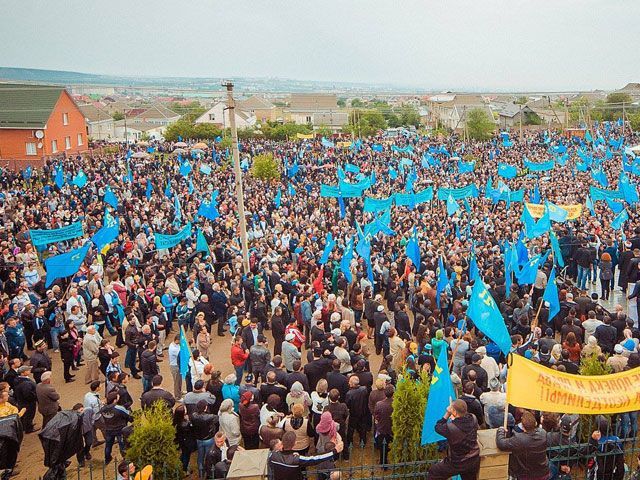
column 494, row 398
column 174, row 353
column 488, row 363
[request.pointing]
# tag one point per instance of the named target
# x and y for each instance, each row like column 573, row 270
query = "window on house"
column 54, row 146
column 31, row 149
column 212, row 116
column 67, row 143
column 65, row 119
column 308, row 118
column 79, row 139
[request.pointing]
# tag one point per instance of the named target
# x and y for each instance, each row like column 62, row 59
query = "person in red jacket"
column 239, row 355
column 298, row 336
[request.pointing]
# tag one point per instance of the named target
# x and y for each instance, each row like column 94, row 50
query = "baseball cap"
column 618, row 349
column 24, row 368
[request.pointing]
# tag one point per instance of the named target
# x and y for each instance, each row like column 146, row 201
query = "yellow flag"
column 530, row 385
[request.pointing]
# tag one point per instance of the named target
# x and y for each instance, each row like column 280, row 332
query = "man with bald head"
column 357, row 400
column 48, row 398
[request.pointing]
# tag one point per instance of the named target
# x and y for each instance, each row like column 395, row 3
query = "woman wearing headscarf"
column 249, row 420
column 231, row 391
column 229, row 422
column 297, row 396
column 319, row 400
column 328, row 437
column 591, row 347
column 556, row 354
column 298, row 423
column 438, row 343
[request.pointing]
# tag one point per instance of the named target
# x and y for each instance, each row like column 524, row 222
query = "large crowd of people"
column 315, row 351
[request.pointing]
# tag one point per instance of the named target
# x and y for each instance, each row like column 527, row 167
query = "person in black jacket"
column 357, row 400
column 473, row 404
column 40, row 360
column 528, row 449
column 204, row 426
column 157, row 393
column 284, row 464
column 462, row 436
column 149, row 365
column 116, row 418
column 337, row 380
column 184, row 435
column 24, row 394
column 277, row 330
column 66, row 353
column 606, row 336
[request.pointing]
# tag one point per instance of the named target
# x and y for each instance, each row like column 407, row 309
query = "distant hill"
column 272, row 85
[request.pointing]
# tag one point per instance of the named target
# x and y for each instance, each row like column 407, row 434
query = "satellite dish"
column 39, row 144
column 39, row 134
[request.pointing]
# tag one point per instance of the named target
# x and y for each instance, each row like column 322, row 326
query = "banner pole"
column 506, row 403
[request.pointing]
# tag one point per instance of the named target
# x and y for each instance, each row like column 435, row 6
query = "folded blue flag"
column 350, row 168
column 441, row 394
column 412, row 249
column 345, row 261
column 201, row 242
column 589, row 203
column 27, row 172
column 443, row 280
column 278, row 200
column 329, row 244
column 551, row 295
column 149, row 191
column 343, row 210
column 618, row 222
column 59, row 179
column 184, row 355
column 291, row 191
column 108, row 232
column 65, row 264
column 486, row 316
column 555, row 247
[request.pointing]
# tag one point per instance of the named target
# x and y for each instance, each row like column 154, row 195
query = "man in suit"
column 48, row 398
column 24, row 393
column 40, row 360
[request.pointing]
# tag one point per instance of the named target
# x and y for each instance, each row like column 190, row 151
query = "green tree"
column 521, row 100
column 634, row 121
column 409, row 116
column 342, row 102
column 357, row 103
column 479, row 124
column 531, row 118
column 153, row 441
column 409, row 402
column 366, row 122
column 225, row 143
column 591, row 365
column 323, row 130
column 181, row 128
column 189, row 111
column 206, row 131
column 265, row 167
column 118, row 116
column 619, row 97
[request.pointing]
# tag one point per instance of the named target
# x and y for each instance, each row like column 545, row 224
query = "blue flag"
column 556, row 213
column 527, row 276
column 185, row 354
column 42, row 238
column 541, row 227
column 551, row 295
column 149, row 191
column 164, row 241
column 201, row 243
column 178, row 210
column 616, row 207
column 210, row 209
column 555, row 247
column 291, row 191
column 278, row 200
column 589, row 203
column 343, row 210
column 536, row 195
column 80, row 180
column 167, row 191
column 110, row 198
column 474, row 272
column 328, row 246
column 26, row 173
column 345, row 261
column 205, row 169
column 487, row 317
column 412, row 249
column 618, row 222
column 65, row 264
column 509, row 267
column 185, row 168
column 452, row 205
column 441, row 394
column 507, row 171
column 466, row 167
column 108, row 232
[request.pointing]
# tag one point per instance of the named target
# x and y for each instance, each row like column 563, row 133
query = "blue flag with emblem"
column 556, row 213
column 80, row 180
column 441, row 394
column 210, row 209
column 555, row 247
column 486, row 316
column 452, row 205
column 26, row 173
column 108, row 232
column 185, row 168
column 507, row 171
column 110, row 198
column 205, row 169
column 527, row 275
column 551, row 295
column 412, row 249
column 65, row 264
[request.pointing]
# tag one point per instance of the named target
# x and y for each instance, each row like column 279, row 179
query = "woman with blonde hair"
column 319, row 400
column 299, row 424
column 556, row 354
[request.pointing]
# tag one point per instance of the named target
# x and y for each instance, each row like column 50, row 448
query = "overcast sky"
column 431, row 44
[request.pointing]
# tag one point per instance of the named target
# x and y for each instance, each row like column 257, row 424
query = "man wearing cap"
column 379, row 318
column 492, row 402
column 289, row 352
column 24, row 393
column 528, row 459
column 48, row 399
column 487, row 363
column 40, row 361
column 617, row 361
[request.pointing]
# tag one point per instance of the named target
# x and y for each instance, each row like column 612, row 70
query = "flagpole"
column 453, row 354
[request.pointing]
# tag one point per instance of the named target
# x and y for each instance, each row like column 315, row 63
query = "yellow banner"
column 343, row 144
column 537, row 210
column 533, row 386
column 302, row 136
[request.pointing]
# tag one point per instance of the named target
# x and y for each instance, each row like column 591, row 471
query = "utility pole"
column 231, row 107
column 520, row 116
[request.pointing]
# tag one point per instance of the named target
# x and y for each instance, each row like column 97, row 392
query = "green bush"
column 153, row 441
column 409, row 403
column 591, row 365
column 480, row 125
column 265, row 167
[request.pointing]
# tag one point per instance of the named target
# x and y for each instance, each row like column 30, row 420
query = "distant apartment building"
column 218, row 115
column 450, row 110
column 156, row 115
column 100, row 124
column 317, row 109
